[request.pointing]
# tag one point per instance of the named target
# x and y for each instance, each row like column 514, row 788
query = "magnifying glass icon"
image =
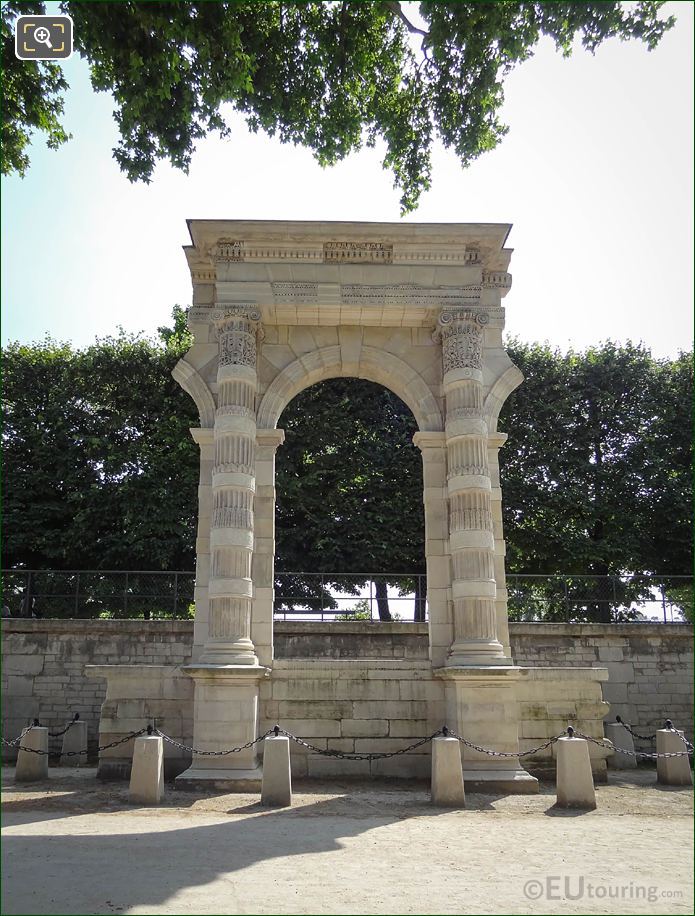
column 43, row 36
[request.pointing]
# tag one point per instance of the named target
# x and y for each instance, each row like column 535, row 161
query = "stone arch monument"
column 279, row 306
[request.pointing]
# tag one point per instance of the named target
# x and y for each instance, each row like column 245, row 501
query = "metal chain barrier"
column 198, row 752
column 348, row 755
column 644, row 754
column 103, row 747
column 634, row 734
column 76, row 718
column 491, row 753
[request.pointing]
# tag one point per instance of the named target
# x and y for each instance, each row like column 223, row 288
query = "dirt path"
column 76, row 846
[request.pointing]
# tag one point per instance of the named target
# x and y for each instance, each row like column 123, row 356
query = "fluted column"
column 471, row 536
column 233, row 487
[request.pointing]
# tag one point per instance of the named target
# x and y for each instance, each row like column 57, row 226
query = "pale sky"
column 596, row 174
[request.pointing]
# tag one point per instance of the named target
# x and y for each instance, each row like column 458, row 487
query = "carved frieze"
column 295, row 292
column 360, row 252
column 408, row 294
column 228, row 250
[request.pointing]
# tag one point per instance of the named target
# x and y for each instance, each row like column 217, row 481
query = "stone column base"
column 225, row 715
column 481, row 706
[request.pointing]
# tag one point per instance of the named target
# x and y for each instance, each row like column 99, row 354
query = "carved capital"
column 461, row 333
column 238, row 327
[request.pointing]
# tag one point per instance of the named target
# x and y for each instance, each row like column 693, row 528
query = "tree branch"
column 413, row 29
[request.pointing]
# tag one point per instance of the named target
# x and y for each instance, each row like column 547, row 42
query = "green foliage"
column 329, row 76
column 100, row 470
column 349, row 485
column 596, row 472
column 32, row 96
column 361, row 611
column 101, row 473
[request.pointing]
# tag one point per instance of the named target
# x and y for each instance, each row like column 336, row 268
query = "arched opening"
column 349, row 523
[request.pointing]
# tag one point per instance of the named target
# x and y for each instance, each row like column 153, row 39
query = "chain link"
column 103, row 747
column 626, row 753
column 348, row 755
column 634, row 734
column 66, row 729
column 199, row 753
column 517, row 754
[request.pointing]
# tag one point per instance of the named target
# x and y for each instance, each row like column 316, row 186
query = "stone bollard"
column 147, row 774
column 620, row 738
column 672, row 771
column 31, row 767
column 447, row 774
column 575, row 784
column 75, row 741
column 276, row 789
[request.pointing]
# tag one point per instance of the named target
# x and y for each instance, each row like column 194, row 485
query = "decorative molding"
column 247, row 311
column 497, row 279
column 200, row 313
column 295, row 292
column 454, row 316
column 228, row 250
column 465, row 413
column 360, row 252
column 236, row 410
column 203, row 274
column 376, row 365
column 409, row 294
column 233, row 469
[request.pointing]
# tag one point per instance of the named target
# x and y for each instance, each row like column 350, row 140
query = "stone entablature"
column 377, row 273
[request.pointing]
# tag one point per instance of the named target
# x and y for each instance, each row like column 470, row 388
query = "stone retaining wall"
column 650, row 666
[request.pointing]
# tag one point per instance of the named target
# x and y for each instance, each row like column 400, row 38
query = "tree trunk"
column 420, row 597
column 382, row 600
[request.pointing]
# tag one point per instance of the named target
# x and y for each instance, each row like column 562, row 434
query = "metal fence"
column 152, row 595
column 599, row 599
column 351, row 596
column 90, row 594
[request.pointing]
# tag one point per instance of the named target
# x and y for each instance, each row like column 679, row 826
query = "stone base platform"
column 198, row 779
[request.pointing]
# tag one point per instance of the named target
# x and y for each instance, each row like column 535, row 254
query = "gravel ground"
column 75, row 845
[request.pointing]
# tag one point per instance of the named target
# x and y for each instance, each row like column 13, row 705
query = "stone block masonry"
column 649, row 674
column 43, row 666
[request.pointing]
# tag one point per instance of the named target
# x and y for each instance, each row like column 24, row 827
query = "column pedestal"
column 481, row 706
column 225, row 716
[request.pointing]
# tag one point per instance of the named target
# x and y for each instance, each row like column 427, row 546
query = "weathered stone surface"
column 575, row 785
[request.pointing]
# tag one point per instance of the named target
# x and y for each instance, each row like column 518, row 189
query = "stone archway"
column 416, row 307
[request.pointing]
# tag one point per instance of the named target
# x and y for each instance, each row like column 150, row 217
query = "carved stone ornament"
column 228, row 250
column 237, row 327
column 362, row 252
column 461, row 332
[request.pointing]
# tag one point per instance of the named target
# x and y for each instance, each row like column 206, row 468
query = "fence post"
column 125, row 596
column 176, row 594
column 27, row 595
column 567, row 600
column 77, row 596
column 663, row 601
